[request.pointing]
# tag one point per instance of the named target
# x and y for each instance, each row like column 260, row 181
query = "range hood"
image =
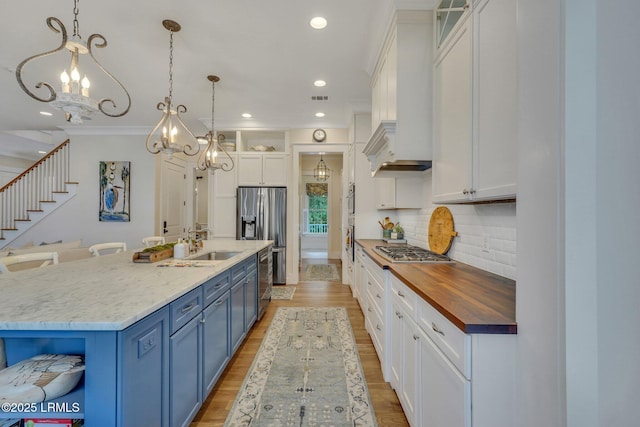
column 392, row 154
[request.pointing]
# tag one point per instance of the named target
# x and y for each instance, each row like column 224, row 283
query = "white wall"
column 78, row 218
column 602, row 244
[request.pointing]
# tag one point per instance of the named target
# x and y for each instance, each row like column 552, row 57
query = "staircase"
column 35, row 193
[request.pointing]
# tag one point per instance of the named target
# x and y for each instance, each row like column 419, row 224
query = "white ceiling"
column 265, row 53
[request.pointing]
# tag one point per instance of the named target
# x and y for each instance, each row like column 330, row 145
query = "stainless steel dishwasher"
column 265, row 279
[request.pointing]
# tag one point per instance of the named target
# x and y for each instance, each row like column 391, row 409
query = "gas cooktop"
column 409, row 253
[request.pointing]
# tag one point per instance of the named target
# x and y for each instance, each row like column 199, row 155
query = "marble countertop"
column 105, row 293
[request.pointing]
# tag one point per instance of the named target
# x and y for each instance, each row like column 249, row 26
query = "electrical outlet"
column 485, row 244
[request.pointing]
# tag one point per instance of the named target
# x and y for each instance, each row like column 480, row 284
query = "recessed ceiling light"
column 46, row 113
column 318, row 23
column 42, row 152
column 246, row 115
column 319, row 83
column 319, row 114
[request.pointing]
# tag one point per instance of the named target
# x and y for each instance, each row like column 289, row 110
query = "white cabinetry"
column 475, row 95
column 262, row 169
column 403, row 363
column 442, row 376
column 401, row 97
column 400, row 193
column 376, row 309
column 222, row 209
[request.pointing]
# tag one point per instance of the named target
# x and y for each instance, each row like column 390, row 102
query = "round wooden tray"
column 441, row 231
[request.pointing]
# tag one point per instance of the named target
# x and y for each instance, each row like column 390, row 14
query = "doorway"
column 320, row 207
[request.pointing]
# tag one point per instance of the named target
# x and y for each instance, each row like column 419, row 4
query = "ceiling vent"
column 320, row 98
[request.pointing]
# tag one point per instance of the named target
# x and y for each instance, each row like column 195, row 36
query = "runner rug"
column 283, row 292
column 324, row 272
column 307, row 372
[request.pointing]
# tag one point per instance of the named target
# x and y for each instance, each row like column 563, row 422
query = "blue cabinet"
column 216, row 340
column 185, row 372
column 251, row 299
column 143, row 383
column 236, row 320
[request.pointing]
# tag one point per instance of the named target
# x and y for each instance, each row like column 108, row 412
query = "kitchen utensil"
column 441, row 231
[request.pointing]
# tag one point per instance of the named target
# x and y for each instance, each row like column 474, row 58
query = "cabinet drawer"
column 375, row 291
column 403, row 296
column 239, row 271
column 215, row 287
column 454, row 343
column 376, row 330
column 185, row 308
column 375, row 270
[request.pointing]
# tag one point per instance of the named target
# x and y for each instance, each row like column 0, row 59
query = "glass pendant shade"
column 321, row 171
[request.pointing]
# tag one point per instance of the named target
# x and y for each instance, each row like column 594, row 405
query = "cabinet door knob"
column 415, row 337
column 399, row 315
column 378, row 327
column 378, row 296
column 400, row 294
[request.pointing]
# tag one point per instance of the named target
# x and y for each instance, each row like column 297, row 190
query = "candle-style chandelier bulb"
column 73, row 97
column 170, row 140
column 209, row 157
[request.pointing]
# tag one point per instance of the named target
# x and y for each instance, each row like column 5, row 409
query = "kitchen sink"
column 220, row 255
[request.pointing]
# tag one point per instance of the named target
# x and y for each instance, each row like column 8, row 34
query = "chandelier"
column 73, row 97
column 321, row 171
column 169, row 140
column 209, row 158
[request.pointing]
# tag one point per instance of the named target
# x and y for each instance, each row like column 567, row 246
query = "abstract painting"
column 115, row 202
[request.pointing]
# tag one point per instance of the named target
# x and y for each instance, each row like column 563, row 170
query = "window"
column 315, row 210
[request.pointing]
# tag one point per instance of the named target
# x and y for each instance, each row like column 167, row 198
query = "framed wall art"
column 115, row 183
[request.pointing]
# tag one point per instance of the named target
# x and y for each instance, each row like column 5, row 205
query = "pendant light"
column 321, row 171
column 166, row 136
column 73, row 97
column 209, row 158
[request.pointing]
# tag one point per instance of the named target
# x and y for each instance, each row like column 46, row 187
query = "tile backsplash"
column 486, row 234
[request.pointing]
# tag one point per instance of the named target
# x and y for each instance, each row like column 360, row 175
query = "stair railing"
column 34, row 186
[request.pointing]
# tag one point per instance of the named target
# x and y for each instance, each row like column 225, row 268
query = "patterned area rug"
column 306, row 373
column 282, row 292
column 324, row 272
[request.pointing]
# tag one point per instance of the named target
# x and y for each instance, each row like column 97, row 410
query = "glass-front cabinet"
column 448, row 14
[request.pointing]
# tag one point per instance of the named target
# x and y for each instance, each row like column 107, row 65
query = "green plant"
column 398, row 228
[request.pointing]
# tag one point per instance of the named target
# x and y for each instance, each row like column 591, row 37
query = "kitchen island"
column 146, row 331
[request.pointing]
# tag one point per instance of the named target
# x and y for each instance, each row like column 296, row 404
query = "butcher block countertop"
column 474, row 300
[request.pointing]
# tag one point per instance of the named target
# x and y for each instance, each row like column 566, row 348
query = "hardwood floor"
column 308, row 294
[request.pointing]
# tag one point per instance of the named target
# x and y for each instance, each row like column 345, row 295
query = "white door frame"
column 293, row 241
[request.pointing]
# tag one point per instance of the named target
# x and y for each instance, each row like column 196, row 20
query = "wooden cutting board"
column 441, row 231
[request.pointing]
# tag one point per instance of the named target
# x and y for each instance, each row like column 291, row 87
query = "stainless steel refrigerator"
column 262, row 215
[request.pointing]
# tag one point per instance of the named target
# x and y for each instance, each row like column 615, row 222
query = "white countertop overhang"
column 106, row 293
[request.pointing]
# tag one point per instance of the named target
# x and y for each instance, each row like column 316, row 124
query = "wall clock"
column 319, row 135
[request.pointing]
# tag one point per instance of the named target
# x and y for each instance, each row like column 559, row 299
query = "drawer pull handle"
column 400, row 294
column 378, row 327
column 378, row 296
column 415, row 337
column 188, row 308
column 219, row 302
column 436, row 329
column 369, row 309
